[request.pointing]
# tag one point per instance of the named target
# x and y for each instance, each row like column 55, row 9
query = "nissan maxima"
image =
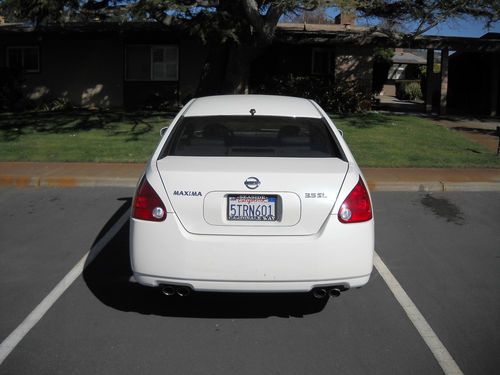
column 252, row 193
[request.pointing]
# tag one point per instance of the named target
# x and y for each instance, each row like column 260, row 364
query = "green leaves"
column 38, row 11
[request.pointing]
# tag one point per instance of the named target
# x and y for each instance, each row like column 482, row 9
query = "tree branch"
column 265, row 26
column 438, row 19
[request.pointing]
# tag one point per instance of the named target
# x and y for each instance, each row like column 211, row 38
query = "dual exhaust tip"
column 173, row 290
column 323, row 292
column 184, row 291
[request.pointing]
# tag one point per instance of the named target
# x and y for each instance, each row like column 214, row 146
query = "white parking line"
column 437, row 348
column 8, row 345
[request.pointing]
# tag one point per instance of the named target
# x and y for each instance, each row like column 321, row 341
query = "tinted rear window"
column 252, row 136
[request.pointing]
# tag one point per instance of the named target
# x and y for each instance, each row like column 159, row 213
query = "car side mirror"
column 163, row 131
column 341, row 132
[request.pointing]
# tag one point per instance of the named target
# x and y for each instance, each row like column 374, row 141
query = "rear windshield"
column 252, row 136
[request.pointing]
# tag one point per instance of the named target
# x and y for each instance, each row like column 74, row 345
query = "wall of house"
column 348, row 64
column 149, row 94
column 90, row 72
column 153, row 94
column 87, row 73
column 355, row 65
column 281, row 61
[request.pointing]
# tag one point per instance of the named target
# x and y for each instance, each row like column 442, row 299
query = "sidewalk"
column 22, row 174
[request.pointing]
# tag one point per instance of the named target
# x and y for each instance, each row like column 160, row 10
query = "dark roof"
column 327, row 27
column 327, row 34
column 457, row 43
column 338, row 34
column 131, row 31
column 491, row 36
column 89, row 28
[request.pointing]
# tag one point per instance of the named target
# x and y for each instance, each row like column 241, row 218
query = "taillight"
column 147, row 204
column 356, row 207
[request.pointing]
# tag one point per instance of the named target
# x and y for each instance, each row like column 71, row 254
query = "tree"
column 36, row 11
column 423, row 15
column 237, row 31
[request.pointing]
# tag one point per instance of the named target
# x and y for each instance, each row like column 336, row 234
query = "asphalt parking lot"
column 442, row 248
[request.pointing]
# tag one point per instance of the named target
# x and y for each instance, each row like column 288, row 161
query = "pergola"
column 330, row 35
column 447, row 44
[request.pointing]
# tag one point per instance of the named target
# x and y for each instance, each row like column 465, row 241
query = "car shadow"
column 108, row 273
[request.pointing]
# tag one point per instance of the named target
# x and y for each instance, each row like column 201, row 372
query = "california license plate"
column 251, row 207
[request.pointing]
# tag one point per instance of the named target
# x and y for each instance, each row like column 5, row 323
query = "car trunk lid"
column 304, row 191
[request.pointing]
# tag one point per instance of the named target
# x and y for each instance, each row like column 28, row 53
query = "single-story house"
column 405, row 65
column 105, row 64
column 402, row 61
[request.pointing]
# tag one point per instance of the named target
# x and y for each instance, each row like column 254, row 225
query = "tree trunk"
column 227, row 70
column 213, row 72
column 237, row 75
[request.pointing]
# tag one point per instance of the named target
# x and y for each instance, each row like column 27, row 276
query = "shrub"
column 55, row 105
column 341, row 97
column 11, row 91
column 408, row 90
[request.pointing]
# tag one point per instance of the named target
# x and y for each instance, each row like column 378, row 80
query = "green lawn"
column 382, row 140
column 80, row 136
column 377, row 140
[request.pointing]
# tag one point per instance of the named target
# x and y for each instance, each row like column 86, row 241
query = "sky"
column 468, row 27
column 465, row 26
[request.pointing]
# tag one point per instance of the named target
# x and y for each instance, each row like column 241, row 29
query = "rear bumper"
column 165, row 253
column 251, row 286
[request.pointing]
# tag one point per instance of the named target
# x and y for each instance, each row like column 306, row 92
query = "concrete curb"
column 130, row 182
column 375, row 185
column 66, row 182
column 433, row 186
column 471, row 186
column 64, row 175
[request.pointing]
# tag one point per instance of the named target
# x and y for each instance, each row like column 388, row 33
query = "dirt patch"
column 481, row 132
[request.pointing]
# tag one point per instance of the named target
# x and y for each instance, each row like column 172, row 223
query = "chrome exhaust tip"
column 319, row 293
column 168, row 290
column 183, row 291
column 334, row 292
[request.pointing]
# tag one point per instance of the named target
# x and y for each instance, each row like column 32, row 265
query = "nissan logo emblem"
column 252, row 183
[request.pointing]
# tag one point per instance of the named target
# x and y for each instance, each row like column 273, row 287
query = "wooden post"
column 494, row 87
column 430, row 73
column 498, row 135
column 444, row 81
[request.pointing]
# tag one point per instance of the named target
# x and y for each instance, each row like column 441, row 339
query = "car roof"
column 241, row 105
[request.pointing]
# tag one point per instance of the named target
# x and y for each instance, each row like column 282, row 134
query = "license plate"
column 251, row 207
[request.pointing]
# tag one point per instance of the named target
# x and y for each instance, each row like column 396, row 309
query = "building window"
column 26, row 59
column 152, row 63
column 321, row 61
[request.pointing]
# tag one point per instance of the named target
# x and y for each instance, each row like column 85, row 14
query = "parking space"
column 43, row 233
column 442, row 248
column 445, row 250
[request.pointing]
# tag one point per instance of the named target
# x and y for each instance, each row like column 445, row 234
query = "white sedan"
column 252, row 193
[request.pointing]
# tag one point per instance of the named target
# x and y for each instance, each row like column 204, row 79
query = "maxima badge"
column 252, row 183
